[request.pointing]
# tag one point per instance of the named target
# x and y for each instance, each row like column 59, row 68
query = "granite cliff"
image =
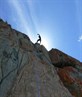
column 69, row 70
column 29, row 70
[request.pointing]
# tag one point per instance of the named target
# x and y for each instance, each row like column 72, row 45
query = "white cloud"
column 80, row 38
column 27, row 20
column 19, row 11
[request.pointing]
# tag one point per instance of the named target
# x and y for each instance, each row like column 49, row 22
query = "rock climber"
column 39, row 40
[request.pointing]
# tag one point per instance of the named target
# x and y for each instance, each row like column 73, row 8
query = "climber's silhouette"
column 39, row 40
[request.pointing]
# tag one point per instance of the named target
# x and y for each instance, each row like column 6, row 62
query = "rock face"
column 69, row 70
column 25, row 68
column 60, row 59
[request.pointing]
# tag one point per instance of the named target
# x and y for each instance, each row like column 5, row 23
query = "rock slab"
column 25, row 68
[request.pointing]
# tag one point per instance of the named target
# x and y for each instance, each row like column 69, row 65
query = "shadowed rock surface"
column 26, row 70
column 70, row 71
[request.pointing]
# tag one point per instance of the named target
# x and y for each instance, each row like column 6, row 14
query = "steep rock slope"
column 25, row 68
column 69, row 70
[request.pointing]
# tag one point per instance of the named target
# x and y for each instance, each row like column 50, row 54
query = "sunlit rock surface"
column 26, row 69
column 69, row 70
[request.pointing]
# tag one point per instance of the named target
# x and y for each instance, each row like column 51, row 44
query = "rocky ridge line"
column 26, row 69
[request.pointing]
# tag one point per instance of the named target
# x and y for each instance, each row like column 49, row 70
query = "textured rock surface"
column 61, row 59
column 69, row 70
column 25, row 68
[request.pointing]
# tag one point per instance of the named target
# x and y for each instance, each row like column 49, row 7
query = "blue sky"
column 57, row 21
